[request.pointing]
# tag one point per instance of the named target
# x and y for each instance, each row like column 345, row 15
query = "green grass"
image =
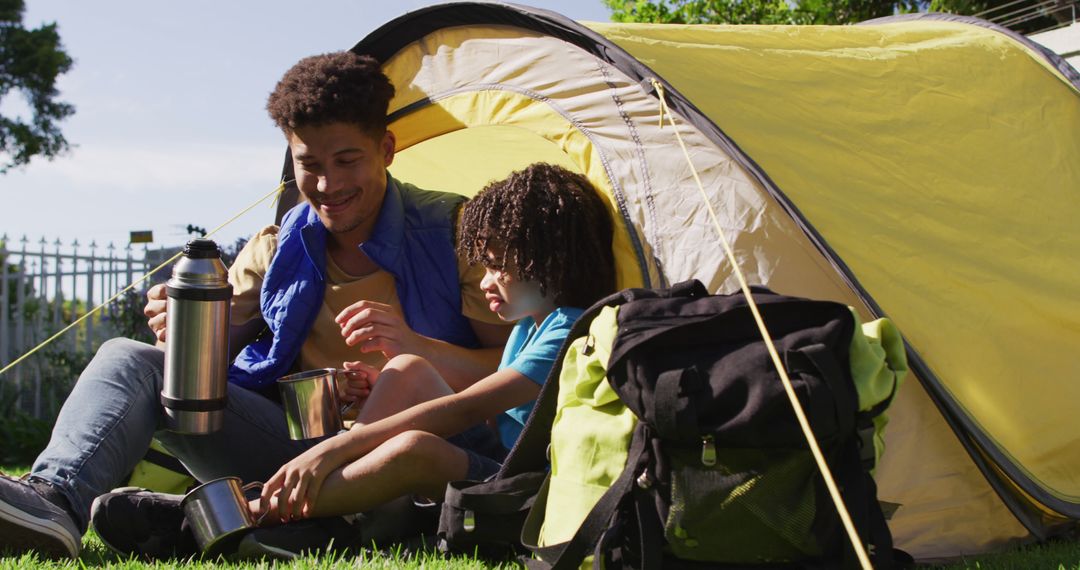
column 1057, row 555
column 1053, row 556
column 96, row 555
column 1062, row 555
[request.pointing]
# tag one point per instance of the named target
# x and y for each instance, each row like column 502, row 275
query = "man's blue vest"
column 413, row 240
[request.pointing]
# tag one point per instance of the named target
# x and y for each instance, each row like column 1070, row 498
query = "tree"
column 1024, row 16
column 751, row 11
column 30, row 61
column 702, row 11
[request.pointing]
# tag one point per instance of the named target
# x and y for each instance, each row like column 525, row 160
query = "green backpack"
column 160, row 471
column 672, row 442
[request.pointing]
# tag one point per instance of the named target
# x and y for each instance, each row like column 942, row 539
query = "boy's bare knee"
column 408, row 363
column 414, row 375
column 426, row 460
column 412, row 444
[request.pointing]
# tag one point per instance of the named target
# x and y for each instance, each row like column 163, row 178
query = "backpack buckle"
column 644, row 481
column 708, row 450
column 590, row 346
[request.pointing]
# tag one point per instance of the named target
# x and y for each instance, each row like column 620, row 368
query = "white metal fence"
column 45, row 286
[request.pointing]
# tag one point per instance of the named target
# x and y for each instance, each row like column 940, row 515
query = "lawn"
column 96, row 555
column 1061, row 555
column 1053, row 556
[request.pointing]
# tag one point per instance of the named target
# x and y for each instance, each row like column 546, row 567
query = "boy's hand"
column 290, row 494
column 359, row 378
column 156, row 302
column 378, row 327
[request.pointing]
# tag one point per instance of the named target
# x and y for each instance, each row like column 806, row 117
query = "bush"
column 24, row 437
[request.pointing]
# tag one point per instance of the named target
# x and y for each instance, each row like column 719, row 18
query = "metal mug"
column 312, row 405
column 218, row 514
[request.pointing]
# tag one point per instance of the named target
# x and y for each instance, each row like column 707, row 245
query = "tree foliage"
column 752, row 11
column 1025, row 17
column 30, row 61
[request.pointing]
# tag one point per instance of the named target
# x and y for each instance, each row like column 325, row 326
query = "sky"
column 170, row 126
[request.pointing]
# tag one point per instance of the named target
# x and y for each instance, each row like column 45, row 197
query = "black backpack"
column 717, row 471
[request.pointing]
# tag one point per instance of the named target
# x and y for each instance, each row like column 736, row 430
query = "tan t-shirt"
column 324, row 346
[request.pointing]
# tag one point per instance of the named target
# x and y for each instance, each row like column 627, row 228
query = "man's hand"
column 155, row 310
column 378, row 327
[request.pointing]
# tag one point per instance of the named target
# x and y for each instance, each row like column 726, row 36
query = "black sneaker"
column 295, row 539
column 135, row 522
column 31, row 523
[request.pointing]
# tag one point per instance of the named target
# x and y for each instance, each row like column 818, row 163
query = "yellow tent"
column 922, row 169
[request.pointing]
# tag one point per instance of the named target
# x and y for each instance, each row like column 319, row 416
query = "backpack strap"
column 568, row 555
column 864, row 428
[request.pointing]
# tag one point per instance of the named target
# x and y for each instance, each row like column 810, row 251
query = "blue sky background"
column 170, row 127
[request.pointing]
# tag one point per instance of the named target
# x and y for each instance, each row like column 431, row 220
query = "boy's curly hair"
column 547, row 225
column 330, row 88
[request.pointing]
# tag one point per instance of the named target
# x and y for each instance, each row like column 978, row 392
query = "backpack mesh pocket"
column 751, row 506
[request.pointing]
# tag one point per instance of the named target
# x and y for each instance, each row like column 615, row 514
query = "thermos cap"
column 199, row 268
column 202, row 248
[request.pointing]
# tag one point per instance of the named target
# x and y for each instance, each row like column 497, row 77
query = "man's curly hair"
column 547, row 225
column 338, row 87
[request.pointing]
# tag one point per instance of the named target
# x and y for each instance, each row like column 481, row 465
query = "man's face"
column 341, row 170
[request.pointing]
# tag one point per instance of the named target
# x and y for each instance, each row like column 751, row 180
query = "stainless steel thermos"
column 197, row 340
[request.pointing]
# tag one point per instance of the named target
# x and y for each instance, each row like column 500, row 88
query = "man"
column 365, row 270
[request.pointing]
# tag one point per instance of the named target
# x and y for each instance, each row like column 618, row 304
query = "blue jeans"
column 106, row 425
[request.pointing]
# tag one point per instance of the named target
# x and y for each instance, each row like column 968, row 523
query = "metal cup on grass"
column 218, row 514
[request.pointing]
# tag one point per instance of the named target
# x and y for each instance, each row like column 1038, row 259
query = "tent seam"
column 650, row 202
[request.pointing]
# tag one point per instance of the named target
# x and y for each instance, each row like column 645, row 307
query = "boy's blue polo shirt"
column 532, row 350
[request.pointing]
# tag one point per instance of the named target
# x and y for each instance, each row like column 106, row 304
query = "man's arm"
column 379, row 327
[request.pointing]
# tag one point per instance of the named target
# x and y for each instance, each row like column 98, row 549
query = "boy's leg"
column 405, row 381
column 411, row 463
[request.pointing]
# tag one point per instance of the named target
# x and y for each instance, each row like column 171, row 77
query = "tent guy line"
column 276, row 192
column 800, row 413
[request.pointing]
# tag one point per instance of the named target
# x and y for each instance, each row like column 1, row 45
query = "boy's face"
column 341, row 170
column 512, row 299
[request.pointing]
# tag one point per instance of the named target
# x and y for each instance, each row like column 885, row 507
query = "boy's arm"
column 444, row 416
column 301, row 479
column 379, row 327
